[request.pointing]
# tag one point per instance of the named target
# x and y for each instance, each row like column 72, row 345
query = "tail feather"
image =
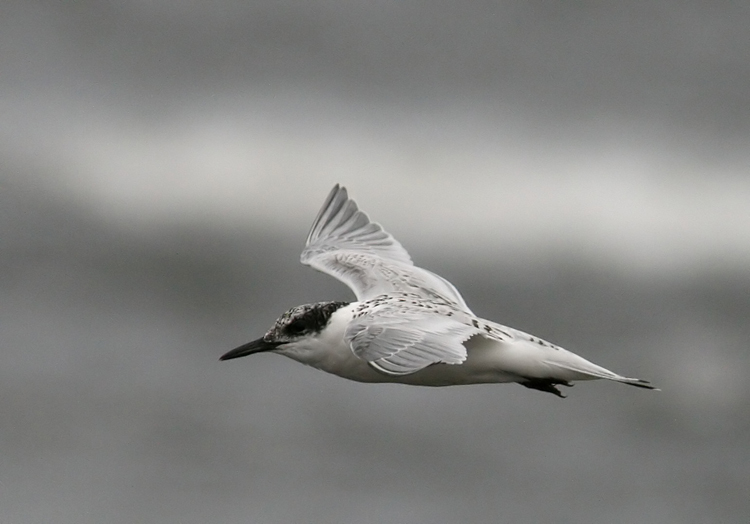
column 637, row 382
column 592, row 371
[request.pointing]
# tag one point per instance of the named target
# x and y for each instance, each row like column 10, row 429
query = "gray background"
column 579, row 171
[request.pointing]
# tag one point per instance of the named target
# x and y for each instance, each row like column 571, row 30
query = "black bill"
column 256, row 346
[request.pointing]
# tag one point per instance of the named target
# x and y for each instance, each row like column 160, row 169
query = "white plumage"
column 408, row 325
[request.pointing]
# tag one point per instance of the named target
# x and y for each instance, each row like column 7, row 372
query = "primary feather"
column 345, row 244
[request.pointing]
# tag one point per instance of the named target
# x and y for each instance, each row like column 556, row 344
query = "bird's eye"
column 295, row 327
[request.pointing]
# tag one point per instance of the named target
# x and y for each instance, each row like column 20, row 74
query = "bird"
column 408, row 325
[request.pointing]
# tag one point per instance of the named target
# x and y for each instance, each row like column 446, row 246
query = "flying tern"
column 408, row 325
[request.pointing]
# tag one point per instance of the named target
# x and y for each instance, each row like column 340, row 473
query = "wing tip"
column 639, row 383
column 337, row 212
column 337, row 192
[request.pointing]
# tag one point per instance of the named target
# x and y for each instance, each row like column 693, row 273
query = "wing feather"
column 345, row 244
column 340, row 226
column 404, row 345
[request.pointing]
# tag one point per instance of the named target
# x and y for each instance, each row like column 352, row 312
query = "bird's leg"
column 546, row 384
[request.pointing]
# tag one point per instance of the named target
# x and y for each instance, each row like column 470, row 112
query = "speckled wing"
column 345, row 244
column 411, row 341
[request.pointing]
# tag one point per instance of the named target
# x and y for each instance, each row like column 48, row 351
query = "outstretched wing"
column 341, row 226
column 345, row 244
column 409, row 342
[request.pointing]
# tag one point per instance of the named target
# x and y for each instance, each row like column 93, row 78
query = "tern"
column 408, row 325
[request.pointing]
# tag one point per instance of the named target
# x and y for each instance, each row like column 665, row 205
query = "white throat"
column 328, row 351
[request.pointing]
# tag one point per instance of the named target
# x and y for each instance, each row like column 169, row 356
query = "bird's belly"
column 482, row 366
column 488, row 361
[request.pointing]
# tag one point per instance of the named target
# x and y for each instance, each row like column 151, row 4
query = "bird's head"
column 296, row 325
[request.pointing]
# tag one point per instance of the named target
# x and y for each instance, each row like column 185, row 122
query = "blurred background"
column 579, row 171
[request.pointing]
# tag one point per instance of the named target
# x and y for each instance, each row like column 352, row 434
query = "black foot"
column 546, row 384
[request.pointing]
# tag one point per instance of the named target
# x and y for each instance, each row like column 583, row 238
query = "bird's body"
column 409, row 325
